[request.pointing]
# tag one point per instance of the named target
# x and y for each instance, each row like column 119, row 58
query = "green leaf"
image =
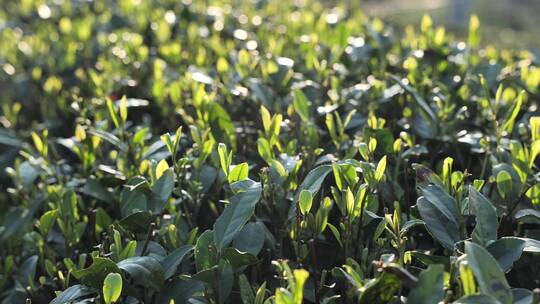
column 94, row 189
column 425, row 176
column 321, row 217
column 527, row 215
column 474, row 35
column 429, row 259
column 429, row 288
column 209, row 276
column 447, row 170
column 305, row 201
column 336, row 233
column 177, row 136
column 132, row 202
column 513, row 187
column 94, row 275
column 420, row 101
column 180, row 290
column 145, row 271
column 226, row 280
column 534, row 122
column 439, row 225
column 112, row 288
column 251, row 238
column 73, row 293
column 205, row 251
column 407, row 226
column 175, row 258
column 438, row 196
column 522, row 296
column 485, row 230
column 223, row 158
column 489, row 275
column 237, row 258
column 300, row 277
column 510, row 118
column 477, row 299
column 439, row 212
column 337, row 176
column 506, row 251
column 350, row 201
column 381, row 166
column 264, row 149
column 236, row 214
column 504, row 183
column 28, row 173
column 266, row 118
column 112, row 113
column 301, row 105
column 364, row 150
column 161, row 168
column 9, row 138
column 238, row 173
column 535, row 151
column 260, row 294
column 246, row 292
column 314, row 179
column 466, row 276
column 123, row 110
column 17, row 219
column 38, row 143
column 110, row 138
column 27, row 270
column 162, row 190
column 380, row 290
column 128, row 251
column 166, row 138
column 137, row 221
column 47, row 221
column 221, row 125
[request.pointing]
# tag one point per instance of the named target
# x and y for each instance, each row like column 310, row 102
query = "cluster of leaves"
column 263, row 152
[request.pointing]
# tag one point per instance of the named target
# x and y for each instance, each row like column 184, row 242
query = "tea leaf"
column 381, row 166
column 73, row 293
column 305, row 201
column 489, row 275
column 429, row 288
column 112, row 113
column 238, row 173
column 485, row 229
column 174, row 259
column 301, row 105
column 439, row 221
column 112, row 288
column 504, row 183
column 145, row 270
column 236, row 215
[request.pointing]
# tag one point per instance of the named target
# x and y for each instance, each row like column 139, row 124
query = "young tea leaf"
column 305, row 200
column 381, row 166
column 112, row 288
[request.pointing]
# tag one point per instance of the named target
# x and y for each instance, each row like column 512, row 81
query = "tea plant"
column 262, row 152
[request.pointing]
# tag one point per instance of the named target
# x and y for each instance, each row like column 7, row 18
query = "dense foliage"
column 262, row 152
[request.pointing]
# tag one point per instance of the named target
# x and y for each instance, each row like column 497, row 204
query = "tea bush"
column 262, row 152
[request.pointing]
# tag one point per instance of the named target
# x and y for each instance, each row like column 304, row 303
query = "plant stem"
column 523, row 194
column 359, row 235
column 313, row 252
column 407, row 195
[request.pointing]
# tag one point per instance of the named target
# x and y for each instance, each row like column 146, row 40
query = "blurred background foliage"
column 507, row 23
